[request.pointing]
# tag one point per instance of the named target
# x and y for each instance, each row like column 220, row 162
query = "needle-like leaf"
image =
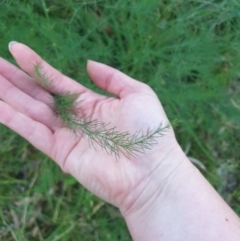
column 108, row 138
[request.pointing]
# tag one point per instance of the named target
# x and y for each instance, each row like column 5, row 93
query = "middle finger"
column 27, row 105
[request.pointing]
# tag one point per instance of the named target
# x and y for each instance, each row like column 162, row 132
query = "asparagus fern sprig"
column 41, row 77
column 108, row 138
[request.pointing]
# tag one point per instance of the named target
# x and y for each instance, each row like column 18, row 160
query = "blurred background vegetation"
column 187, row 51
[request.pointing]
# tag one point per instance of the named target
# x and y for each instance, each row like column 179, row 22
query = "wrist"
column 159, row 183
column 145, row 206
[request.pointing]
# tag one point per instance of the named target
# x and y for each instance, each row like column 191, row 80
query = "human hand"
column 28, row 109
column 160, row 194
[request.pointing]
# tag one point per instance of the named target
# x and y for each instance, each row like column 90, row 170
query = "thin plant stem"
column 108, row 138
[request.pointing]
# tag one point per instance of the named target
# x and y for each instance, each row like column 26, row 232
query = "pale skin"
column 160, row 194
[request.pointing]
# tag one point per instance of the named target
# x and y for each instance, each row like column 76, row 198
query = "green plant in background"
column 188, row 51
column 67, row 108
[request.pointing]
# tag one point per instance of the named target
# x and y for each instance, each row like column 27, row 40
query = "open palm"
column 28, row 109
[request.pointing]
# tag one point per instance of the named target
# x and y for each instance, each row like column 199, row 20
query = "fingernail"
column 91, row 61
column 11, row 44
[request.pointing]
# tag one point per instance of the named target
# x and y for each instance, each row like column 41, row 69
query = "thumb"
column 114, row 81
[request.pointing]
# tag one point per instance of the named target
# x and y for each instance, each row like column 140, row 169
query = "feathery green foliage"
column 41, row 77
column 110, row 140
column 65, row 106
column 115, row 142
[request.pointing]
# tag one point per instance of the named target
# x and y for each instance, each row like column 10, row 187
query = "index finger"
column 27, row 59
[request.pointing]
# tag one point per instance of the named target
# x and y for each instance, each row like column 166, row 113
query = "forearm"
column 186, row 207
